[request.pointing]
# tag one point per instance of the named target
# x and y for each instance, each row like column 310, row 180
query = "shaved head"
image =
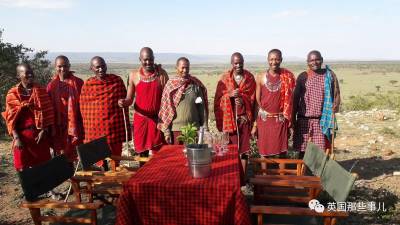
column 314, row 52
column 276, row 51
column 146, row 59
column 182, row 59
column 97, row 58
column 236, row 55
column 314, row 61
column 25, row 66
column 62, row 57
column 146, row 50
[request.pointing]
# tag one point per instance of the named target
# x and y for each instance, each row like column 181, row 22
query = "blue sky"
column 339, row 29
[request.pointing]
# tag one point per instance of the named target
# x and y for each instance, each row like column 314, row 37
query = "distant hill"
column 164, row 58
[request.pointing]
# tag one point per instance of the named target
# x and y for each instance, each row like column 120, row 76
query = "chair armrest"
column 61, row 205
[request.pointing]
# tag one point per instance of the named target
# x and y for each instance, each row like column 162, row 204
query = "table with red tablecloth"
column 164, row 192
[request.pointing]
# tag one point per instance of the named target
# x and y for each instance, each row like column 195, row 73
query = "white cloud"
column 37, row 4
column 290, row 13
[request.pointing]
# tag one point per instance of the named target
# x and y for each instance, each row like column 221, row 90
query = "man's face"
column 99, row 67
column 274, row 61
column 183, row 68
column 25, row 75
column 237, row 64
column 147, row 61
column 62, row 67
column 314, row 62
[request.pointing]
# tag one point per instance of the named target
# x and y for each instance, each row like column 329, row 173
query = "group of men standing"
column 72, row 111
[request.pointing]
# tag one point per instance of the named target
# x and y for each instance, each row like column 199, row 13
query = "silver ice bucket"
column 199, row 158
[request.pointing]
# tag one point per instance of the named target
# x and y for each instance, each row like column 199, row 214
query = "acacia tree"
column 10, row 56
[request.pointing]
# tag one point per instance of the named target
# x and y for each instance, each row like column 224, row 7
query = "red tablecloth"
column 163, row 192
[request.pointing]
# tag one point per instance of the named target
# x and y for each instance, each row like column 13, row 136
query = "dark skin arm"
column 17, row 141
column 259, row 80
column 133, row 81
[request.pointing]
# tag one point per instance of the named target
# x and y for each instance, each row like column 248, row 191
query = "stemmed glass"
column 225, row 142
column 217, row 144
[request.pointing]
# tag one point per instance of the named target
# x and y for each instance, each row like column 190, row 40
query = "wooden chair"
column 42, row 179
column 329, row 217
column 290, row 185
column 105, row 183
column 329, row 176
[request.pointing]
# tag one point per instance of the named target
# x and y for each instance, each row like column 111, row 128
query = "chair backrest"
column 315, row 159
column 337, row 181
column 93, row 151
column 41, row 179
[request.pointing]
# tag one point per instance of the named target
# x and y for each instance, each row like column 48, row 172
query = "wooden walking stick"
column 332, row 155
column 237, row 127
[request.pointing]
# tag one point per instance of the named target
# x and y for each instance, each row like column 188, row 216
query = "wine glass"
column 225, row 142
column 217, row 144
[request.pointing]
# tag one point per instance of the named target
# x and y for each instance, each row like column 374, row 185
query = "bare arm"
column 17, row 140
column 133, row 80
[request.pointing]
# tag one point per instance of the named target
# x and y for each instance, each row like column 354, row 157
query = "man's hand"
column 168, row 138
column 18, row 143
column 26, row 105
column 254, row 131
column 238, row 102
column 234, row 93
column 123, row 103
column 40, row 136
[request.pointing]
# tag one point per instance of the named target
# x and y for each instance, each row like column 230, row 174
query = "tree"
column 393, row 82
column 10, row 56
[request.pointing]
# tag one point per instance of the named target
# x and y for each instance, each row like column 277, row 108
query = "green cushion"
column 315, row 159
column 337, row 181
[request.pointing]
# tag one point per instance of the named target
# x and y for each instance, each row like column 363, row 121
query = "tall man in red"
column 29, row 116
column 316, row 100
column 64, row 90
column 234, row 104
column 146, row 86
column 99, row 106
column 274, row 95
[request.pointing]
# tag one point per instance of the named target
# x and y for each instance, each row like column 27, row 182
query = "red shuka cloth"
column 26, row 114
column 39, row 103
column 68, row 120
column 272, row 133
column 147, row 105
column 100, row 111
column 171, row 97
column 223, row 107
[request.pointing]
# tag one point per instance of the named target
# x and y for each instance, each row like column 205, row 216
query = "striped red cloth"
column 309, row 109
column 65, row 98
column 39, row 102
column 171, row 97
column 164, row 192
column 224, row 113
column 100, row 111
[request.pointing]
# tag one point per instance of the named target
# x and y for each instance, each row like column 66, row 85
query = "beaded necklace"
column 272, row 87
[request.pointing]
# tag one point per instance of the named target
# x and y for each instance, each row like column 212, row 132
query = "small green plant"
column 189, row 134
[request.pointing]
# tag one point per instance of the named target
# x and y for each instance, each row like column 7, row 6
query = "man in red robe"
column 64, row 90
column 29, row 115
column 184, row 101
column 234, row 104
column 99, row 107
column 274, row 93
column 146, row 86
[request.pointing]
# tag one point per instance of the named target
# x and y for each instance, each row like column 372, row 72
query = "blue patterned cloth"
column 328, row 119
